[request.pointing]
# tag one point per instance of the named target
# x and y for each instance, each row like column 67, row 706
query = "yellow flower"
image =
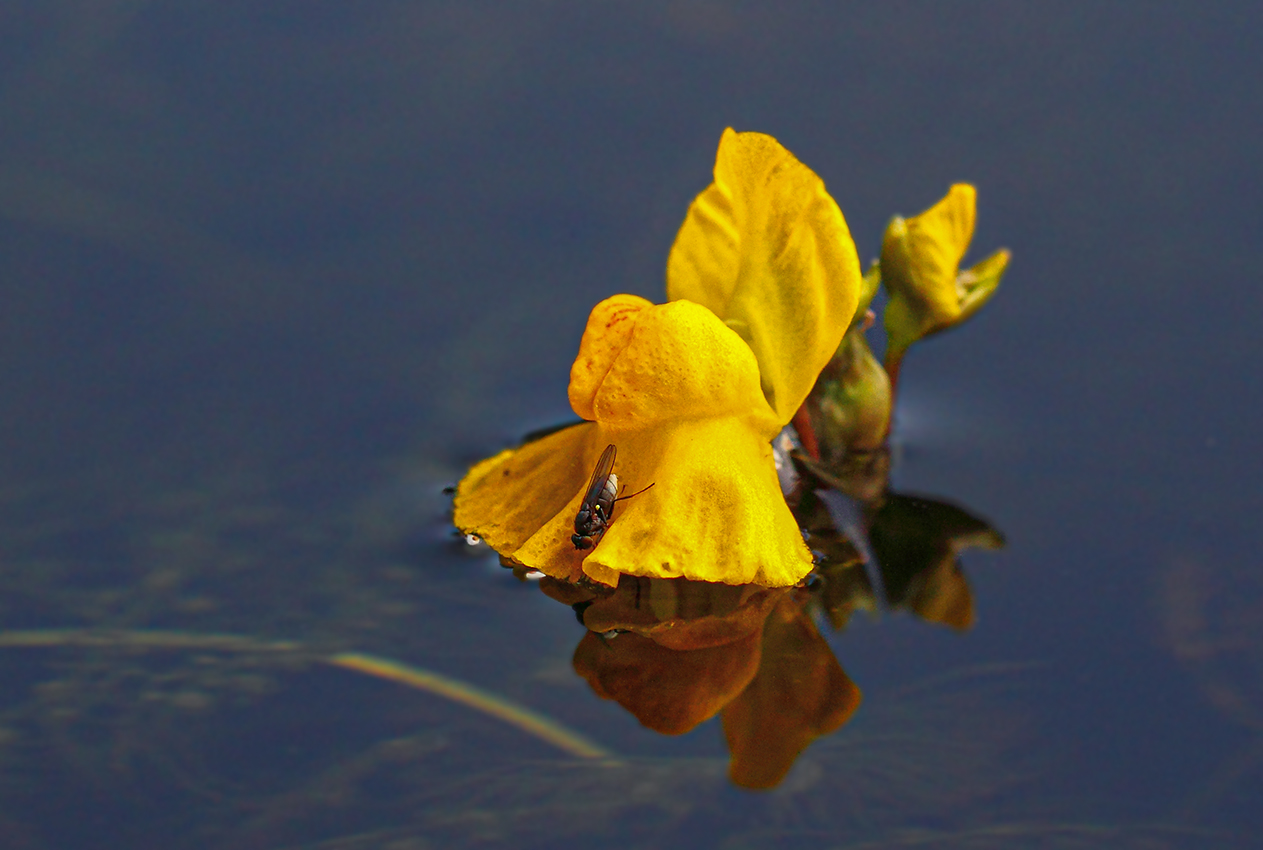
column 920, row 261
column 764, row 281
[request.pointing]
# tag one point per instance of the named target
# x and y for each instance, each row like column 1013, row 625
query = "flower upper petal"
column 767, row 250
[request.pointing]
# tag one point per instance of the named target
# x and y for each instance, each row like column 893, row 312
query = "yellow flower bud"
column 920, row 267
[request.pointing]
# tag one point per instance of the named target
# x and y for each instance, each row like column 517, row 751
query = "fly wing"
column 604, row 467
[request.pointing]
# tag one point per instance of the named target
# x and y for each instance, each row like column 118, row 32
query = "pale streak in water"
column 487, row 702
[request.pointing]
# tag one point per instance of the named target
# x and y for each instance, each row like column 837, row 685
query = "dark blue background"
column 274, row 273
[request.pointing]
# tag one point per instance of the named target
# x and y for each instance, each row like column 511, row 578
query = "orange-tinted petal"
column 800, row 694
column 667, row 690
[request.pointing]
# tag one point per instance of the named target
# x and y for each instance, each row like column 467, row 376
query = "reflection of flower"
column 672, row 652
column 678, row 652
column 668, row 691
column 767, row 250
column 675, row 613
column 764, row 280
column 799, row 694
column 918, row 541
column 675, row 653
column 920, row 260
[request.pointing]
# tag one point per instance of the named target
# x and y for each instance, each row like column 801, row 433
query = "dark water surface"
column 275, row 273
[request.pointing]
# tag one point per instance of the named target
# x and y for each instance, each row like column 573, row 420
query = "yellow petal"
column 678, row 396
column 927, row 250
column 767, row 250
column 506, row 498
column 714, row 513
column 665, row 362
column 920, row 257
column 608, row 331
column 979, row 283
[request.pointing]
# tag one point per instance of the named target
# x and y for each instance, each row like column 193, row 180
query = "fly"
column 597, row 508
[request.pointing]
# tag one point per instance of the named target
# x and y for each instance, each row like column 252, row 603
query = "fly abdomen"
column 608, row 495
column 597, row 508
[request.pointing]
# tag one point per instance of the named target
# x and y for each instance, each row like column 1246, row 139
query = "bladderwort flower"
column 762, row 282
column 920, row 268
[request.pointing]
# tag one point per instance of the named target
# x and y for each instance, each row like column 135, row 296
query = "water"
column 272, row 278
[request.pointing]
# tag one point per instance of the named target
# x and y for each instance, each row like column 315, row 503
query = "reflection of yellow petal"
column 917, row 542
column 679, row 614
column 769, row 252
column 667, row 690
column 800, row 694
column 945, row 598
